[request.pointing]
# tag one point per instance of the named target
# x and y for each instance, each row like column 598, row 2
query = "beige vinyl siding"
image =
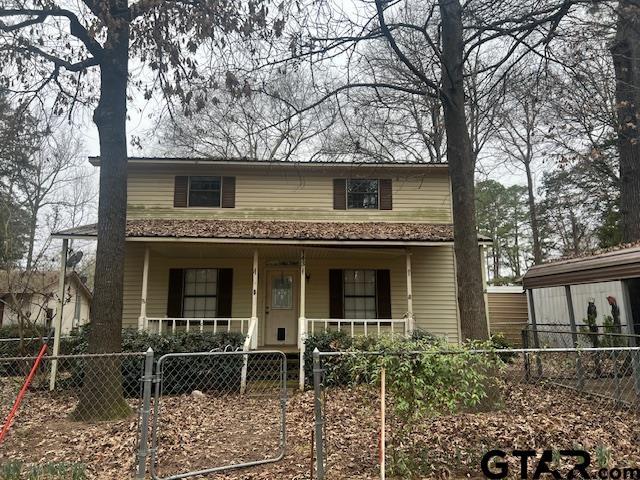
column 318, row 284
column 434, row 291
column 434, row 299
column 133, row 263
column 508, row 315
column 278, row 195
column 158, row 286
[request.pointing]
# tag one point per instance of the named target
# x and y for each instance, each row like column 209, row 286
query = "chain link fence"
column 29, row 346
column 217, row 411
column 581, row 337
column 444, row 411
column 64, row 421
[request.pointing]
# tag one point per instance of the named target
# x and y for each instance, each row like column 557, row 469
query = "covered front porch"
column 275, row 295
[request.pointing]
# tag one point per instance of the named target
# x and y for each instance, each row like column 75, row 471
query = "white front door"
column 281, row 307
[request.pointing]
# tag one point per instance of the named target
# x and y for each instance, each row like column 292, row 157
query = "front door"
column 281, row 307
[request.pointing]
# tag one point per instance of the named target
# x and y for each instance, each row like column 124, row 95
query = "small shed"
column 507, row 306
column 562, row 293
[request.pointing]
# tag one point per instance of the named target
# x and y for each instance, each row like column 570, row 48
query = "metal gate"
column 217, row 411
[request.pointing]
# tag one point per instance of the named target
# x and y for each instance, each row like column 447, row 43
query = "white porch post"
column 302, row 321
column 142, row 320
column 410, row 318
column 58, row 319
column 485, row 294
column 254, row 300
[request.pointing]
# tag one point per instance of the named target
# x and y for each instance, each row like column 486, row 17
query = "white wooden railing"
column 376, row 326
column 162, row 325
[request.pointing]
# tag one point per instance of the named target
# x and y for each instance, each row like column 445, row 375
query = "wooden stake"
column 383, row 408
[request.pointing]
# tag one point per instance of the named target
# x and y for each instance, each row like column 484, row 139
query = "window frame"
column 348, row 194
column 345, row 295
column 219, row 190
column 185, row 295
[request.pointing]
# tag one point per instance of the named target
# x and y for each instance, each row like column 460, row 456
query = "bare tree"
column 63, row 47
column 242, row 126
column 521, row 140
column 502, row 32
column 626, row 54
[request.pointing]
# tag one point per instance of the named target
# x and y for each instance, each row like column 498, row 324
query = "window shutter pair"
column 385, row 194
column 181, row 192
column 223, row 295
column 336, row 293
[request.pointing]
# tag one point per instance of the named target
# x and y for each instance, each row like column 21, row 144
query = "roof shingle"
column 279, row 230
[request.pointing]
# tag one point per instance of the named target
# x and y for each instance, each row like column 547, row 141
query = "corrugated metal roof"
column 614, row 264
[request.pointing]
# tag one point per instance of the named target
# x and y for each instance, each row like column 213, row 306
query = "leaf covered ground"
column 197, row 432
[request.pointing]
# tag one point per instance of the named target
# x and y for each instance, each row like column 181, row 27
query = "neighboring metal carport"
column 618, row 264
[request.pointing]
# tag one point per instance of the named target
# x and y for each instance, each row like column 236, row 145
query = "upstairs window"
column 362, row 193
column 204, row 191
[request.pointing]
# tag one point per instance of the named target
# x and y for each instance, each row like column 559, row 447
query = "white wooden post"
column 302, row 321
column 142, row 320
column 60, row 309
column 485, row 294
column 410, row 318
column 254, row 300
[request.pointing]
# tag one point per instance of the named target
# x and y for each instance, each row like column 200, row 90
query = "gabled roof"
column 616, row 263
column 40, row 281
column 254, row 162
column 262, row 231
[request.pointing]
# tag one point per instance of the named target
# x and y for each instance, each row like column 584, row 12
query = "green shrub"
column 180, row 374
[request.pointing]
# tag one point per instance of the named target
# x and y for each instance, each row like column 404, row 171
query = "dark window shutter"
column 228, row 192
column 385, row 194
column 225, row 289
column 180, row 191
column 336, row 298
column 383, row 293
column 174, row 297
column 339, row 194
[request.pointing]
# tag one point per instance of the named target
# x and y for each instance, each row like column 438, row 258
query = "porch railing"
column 160, row 325
column 359, row 326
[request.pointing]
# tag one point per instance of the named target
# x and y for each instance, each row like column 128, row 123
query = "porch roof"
column 276, row 231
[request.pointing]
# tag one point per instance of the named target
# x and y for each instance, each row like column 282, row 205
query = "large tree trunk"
column 533, row 215
column 626, row 60
column 102, row 390
column 473, row 321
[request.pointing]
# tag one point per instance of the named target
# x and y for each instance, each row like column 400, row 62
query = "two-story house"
column 279, row 250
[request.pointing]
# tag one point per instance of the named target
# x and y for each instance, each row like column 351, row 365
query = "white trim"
column 410, row 318
column 95, row 161
column 142, row 320
column 504, row 289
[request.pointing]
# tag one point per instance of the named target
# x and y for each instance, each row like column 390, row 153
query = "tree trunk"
column 533, row 215
column 473, row 321
column 102, row 390
column 626, row 61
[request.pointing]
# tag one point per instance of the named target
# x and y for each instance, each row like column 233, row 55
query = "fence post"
column 616, row 376
column 525, row 345
column 574, row 337
column 317, row 389
column 143, row 447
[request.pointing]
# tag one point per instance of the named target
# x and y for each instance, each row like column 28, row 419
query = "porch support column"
column 142, row 320
column 58, row 319
column 254, row 301
column 410, row 317
column 485, row 293
column 302, row 321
